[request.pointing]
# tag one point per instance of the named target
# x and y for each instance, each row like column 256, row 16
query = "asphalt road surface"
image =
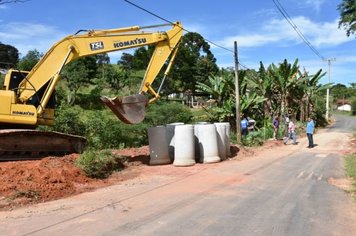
column 287, row 190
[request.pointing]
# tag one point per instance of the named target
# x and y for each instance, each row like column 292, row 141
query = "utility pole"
column 237, row 95
column 327, row 90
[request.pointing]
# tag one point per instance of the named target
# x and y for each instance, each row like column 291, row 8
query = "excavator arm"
column 129, row 109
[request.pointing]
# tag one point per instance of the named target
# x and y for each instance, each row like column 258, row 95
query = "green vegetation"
column 350, row 168
column 99, row 164
column 347, row 19
column 353, row 106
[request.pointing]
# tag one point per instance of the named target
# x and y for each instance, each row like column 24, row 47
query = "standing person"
column 244, row 127
column 310, row 131
column 291, row 133
column 275, row 123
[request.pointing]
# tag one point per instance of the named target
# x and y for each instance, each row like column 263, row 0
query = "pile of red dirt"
column 28, row 182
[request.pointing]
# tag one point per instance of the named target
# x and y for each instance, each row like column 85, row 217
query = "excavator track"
column 25, row 144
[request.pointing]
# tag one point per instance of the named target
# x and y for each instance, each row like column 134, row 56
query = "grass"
column 100, row 164
column 350, row 169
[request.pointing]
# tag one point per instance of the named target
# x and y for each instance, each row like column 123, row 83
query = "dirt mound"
column 25, row 182
column 28, row 182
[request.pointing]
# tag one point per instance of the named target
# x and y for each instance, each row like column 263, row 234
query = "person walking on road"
column 291, row 133
column 275, row 124
column 310, row 131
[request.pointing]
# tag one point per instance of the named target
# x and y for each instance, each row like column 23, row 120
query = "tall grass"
column 350, row 169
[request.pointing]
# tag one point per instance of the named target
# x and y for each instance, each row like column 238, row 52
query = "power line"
column 296, row 29
column 168, row 21
column 171, row 22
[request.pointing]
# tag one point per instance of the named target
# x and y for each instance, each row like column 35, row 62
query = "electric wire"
column 168, row 21
column 171, row 22
column 296, row 29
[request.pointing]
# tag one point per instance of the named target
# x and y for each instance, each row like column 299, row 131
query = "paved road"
column 283, row 191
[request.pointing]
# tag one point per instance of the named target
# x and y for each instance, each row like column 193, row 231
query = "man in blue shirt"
column 244, row 125
column 310, row 131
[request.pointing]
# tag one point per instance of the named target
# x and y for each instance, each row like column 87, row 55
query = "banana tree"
column 283, row 79
column 261, row 83
column 310, row 85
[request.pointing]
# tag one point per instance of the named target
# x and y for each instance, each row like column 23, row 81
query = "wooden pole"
column 237, row 95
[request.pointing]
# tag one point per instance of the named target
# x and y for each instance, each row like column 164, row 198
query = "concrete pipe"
column 158, row 146
column 196, row 141
column 170, row 138
column 208, row 144
column 223, row 137
column 184, row 145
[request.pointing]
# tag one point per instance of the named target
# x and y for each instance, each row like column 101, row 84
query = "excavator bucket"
column 129, row 109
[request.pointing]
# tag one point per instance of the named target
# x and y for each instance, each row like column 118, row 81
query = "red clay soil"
column 29, row 182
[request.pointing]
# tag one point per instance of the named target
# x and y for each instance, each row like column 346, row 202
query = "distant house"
column 343, row 105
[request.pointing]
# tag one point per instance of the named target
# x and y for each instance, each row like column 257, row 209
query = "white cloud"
column 316, row 4
column 29, row 36
column 278, row 31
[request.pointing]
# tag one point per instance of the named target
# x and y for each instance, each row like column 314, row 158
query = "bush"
column 353, row 106
column 99, row 164
column 104, row 130
column 162, row 113
column 254, row 138
column 68, row 120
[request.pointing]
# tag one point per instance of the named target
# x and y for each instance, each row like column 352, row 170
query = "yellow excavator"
column 27, row 97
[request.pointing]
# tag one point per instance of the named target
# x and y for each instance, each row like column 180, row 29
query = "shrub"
column 104, row 130
column 353, row 106
column 68, row 120
column 254, row 138
column 99, row 164
column 163, row 112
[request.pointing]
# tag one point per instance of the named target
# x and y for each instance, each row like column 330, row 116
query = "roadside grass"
column 350, row 168
column 100, row 164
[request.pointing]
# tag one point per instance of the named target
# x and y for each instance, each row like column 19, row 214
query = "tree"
column 222, row 88
column 30, row 60
column 142, row 57
column 126, row 61
column 9, row 56
column 347, row 19
column 308, row 88
column 283, row 80
column 102, row 58
column 78, row 74
column 116, row 76
column 216, row 87
column 194, row 63
column 261, row 83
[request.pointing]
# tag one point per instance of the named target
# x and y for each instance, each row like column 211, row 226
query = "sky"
column 260, row 30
